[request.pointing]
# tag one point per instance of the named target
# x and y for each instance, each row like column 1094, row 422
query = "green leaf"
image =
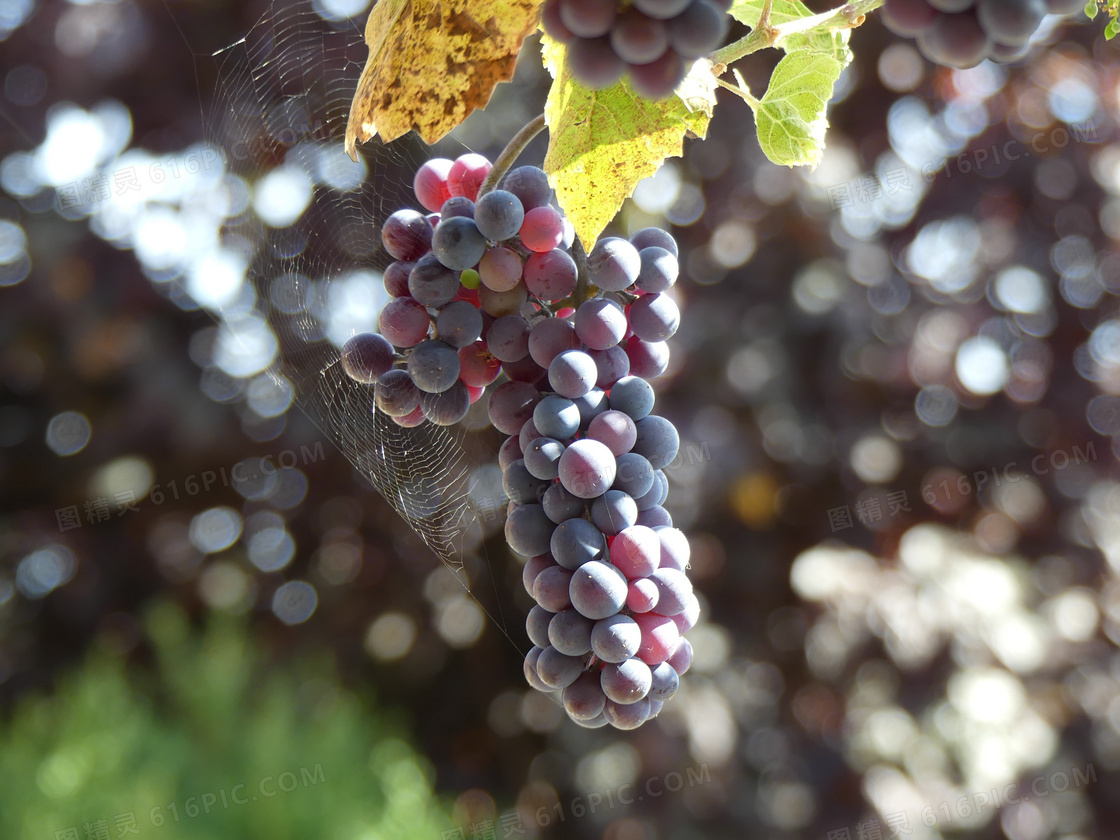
column 602, row 143
column 1111, row 30
column 783, row 11
column 1091, row 9
column 791, row 116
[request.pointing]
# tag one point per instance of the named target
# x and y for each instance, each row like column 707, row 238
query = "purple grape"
column 661, row 9
column 528, row 530
column 626, row 682
column 590, row 406
column 552, row 589
column 396, row 394
column 533, row 567
column 698, row 30
column 652, row 237
column 395, row 277
column 536, row 625
column 542, row 458
column 614, row 511
column 593, row 63
column 673, row 591
column 511, row 404
column 531, row 677
column 654, row 317
column 367, row 356
column 560, row 505
column 521, row 486
column 681, row 659
column 615, row 430
column 447, row 407
column 596, row 589
column 584, row 699
column 674, row 548
column 433, row 366
column 634, row 476
column 530, row 183
column 557, row 670
column 557, row 418
column 571, row 374
column 550, row 276
column 431, row 283
column 612, row 365
column 664, row 683
column 657, row 440
column 406, row 235
column 659, row 270
column 459, row 323
column 629, row 716
column 570, row 633
column 613, row 264
column 499, row 215
column 508, row 452
column 587, row 468
column 403, row 322
column 549, row 338
column 587, row 18
column 600, row 323
column 638, row 38
column 615, row 638
column 457, row 205
column 458, row 243
column 632, row 395
column 577, row 541
column 659, row 78
column 648, row 359
column 508, row 338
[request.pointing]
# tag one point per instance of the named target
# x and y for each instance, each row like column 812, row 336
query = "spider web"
column 281, row 104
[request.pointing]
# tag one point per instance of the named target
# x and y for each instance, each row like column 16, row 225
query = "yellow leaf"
column 602, row 143
column 432, row 63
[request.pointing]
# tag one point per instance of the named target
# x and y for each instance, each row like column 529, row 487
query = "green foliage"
column 211, row 745
column 834, row 43
column 791, row 117
column 602, row 143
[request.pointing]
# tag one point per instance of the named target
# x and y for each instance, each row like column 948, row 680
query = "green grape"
column 470, row 279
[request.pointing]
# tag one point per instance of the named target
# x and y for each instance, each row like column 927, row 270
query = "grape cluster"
column 584, row 471
column 962, row 33
column 654, row 40
column 459, row 282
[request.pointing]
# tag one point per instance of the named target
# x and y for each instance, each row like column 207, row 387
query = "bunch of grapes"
column 486, row 288
column 962, row 33
column 459, row 282
column 655, row 40
column 584, row 471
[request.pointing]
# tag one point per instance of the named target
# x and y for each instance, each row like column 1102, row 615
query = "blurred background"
column 897, row 381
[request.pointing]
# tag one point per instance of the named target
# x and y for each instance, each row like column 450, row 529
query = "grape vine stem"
column 511, row 153
column 765, row 34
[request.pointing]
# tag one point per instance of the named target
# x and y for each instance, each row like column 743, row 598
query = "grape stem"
column 511, row 153
column 765, row 34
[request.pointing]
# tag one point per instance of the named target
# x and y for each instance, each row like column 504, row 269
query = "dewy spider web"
column 280, row 113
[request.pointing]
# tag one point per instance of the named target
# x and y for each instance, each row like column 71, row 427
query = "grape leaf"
column 791, row 116
column 433, row 62
column 602, row 143
column 783, row 11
